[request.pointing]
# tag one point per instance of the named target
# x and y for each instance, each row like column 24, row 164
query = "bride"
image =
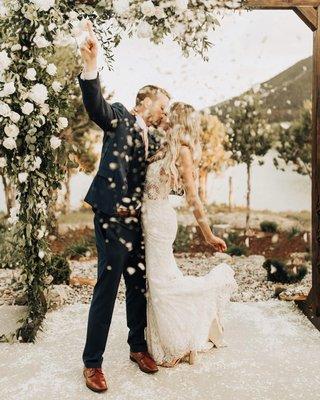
column 184, row 313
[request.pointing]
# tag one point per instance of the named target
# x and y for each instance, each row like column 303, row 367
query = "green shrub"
column 8, row 248
column 77, row 249
column 294, row 232
column 59, row 269
column 269, row 226
column 236, row 250
column 278, row 271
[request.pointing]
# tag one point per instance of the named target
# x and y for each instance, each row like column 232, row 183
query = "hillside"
column 293, row 85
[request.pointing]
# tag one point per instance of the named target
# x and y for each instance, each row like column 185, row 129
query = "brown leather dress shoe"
column 145, row 361
column 95, row 379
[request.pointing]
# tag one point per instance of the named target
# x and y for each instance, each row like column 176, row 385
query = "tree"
column 9, row 192
column 294, row 143
column 249, row 135
column 214, row 156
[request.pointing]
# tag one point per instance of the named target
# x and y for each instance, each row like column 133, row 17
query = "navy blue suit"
column 119, row 181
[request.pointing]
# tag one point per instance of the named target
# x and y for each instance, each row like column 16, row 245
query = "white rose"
column 121, row 6
column 14, row 212
column 43, row 5
column 16, row 47
column 4, row 109
column 42, row 61
column 27, row 108
column 3, row 12
column 178, row 29
column 44, row 109
column 37, row 163
column 5, row 61
column 52, row 26
column 38, row 94
column 14, row 116
column 41, row 42
column 56, row 86
column 41, row 232
column 181, row 5
column 11, row 130
column 144, row 30
column 62, row 122
column 55, row 142
column 159, row 12
column 31, row 74
column 148, row 8
column 73, row 15
column 9, row 143
column 22, row 176
column 51, row 69
column 41, row 254
column 8, row 89
column 3, row 162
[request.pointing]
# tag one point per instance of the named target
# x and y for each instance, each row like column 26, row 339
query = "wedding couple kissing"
column 170, row 316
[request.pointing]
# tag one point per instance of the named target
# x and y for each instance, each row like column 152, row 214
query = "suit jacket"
column 122, row 168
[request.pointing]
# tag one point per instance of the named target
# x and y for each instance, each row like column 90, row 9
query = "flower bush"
column 34, row 105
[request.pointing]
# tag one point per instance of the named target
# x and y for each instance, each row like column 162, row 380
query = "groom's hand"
column 89, row 49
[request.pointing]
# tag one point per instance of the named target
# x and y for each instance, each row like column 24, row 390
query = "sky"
column 249, row 48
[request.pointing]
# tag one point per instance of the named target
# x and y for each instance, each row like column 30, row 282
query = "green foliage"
column 269, row 226
column 79, row 248
column 59, row 269
column 234, row 250
column 8, row 249
column 278, row 271
column 295, row 231
column 234, row 247
column 294, row 143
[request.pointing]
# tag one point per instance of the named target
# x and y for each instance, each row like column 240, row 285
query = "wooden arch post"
column 308, row 11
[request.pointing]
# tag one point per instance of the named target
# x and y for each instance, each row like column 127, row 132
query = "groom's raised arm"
column 98, row 109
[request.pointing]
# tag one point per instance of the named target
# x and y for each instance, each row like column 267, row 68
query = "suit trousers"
column 120, row 248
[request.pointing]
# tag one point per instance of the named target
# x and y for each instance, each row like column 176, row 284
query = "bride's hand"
column 217, row 243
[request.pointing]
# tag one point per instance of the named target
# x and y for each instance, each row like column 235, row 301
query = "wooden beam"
column 282, row 4
column 308, row 15
column 315, row 292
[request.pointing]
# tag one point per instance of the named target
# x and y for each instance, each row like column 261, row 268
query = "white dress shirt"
column 87, row 75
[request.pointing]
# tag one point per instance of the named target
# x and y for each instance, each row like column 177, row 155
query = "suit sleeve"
column 98, row 109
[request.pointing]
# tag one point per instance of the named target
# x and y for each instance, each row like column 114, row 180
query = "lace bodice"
column 157, row 186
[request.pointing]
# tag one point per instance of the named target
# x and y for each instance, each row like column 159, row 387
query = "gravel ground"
column 249, row 274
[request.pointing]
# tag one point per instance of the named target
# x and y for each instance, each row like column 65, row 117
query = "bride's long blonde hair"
column 184, row 129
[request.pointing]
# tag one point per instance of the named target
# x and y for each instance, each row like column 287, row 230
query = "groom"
column 115, row 196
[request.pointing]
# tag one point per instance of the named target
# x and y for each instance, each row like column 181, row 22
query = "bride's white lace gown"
column 183, row 312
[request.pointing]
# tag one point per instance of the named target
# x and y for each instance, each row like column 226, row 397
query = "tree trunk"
column 9, row 194
column 203, row 176
column 67, row 197
column 230, row 193
column 248, row 196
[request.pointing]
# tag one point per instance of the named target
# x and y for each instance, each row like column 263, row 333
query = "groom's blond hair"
column 150, row 91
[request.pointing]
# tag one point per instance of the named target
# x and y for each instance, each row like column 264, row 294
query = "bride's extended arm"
column 186, row 168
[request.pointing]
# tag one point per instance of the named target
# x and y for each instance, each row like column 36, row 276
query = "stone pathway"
column 273, row 353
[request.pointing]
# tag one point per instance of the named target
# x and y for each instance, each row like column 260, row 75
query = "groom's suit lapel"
column 139, row 145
